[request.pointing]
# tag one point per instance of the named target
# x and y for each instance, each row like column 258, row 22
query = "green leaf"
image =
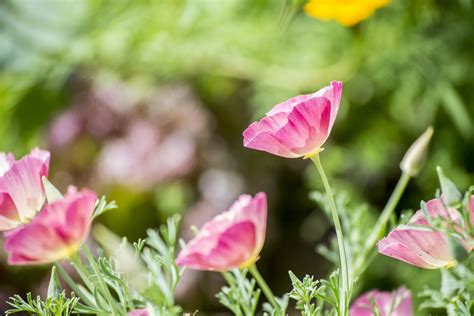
column 451, row 195
column 54, row 287
column 102, row 206
column 294, row 279
column 52, row 193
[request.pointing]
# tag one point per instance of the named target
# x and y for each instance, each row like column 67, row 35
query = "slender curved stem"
column 344, row 297
column 264, row 286
column 384, row 217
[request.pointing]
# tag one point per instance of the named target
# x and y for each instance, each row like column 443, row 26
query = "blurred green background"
column 145, row 102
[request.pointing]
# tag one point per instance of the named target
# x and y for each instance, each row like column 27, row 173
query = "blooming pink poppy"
column 21, row 189
column 423, row 248
column 297, row 127
column 139, row 312
column 396, row 303
column 230, row 240
column 55, row 233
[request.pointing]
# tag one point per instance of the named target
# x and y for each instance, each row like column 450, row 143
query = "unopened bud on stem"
column 416, row 155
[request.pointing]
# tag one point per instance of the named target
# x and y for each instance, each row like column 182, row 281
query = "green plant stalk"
column 264, row 286
column 70, row 282
column 104, row 289
column 82, row 271
column 344, row 297
column 382, row 222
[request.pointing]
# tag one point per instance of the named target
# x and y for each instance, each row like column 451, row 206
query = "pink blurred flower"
column 21, row 188
column 472, row 210
column 144, row 157
column 297, row 127
column 139, row 312
column 55, row 233
column 396, row 303
column 65, row 128
column 423, row 248
column 230, row 240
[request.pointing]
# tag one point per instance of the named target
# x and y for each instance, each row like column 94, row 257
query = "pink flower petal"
column 298, row 126
column 55, row 233
column 22, row 182
column 231, row 239
column 428, row 250
column 398, row 303
column 422, row 248
column 139, row 312
column 435, row 208
column 307, row 127
column 8, row 213
column 232, row 248
column 472, row 209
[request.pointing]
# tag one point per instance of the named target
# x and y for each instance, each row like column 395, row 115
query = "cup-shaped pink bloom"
column 230, row 240
column 422, row 248
column 139, row 312
column 21, row 189
column 396, row 303
column 55, row 233
column 297, row 127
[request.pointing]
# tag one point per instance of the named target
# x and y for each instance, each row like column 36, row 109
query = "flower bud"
column 415, row 157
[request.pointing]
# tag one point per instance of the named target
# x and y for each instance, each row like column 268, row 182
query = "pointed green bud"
column 415, row 157
column 52, row 193
column 450, row 194
column 54, row 287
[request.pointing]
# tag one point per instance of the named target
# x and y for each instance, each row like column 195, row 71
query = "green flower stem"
column 344, row 297
column 376, row 233
column 70, row 282
column 82, row 271
column 103, row 286
column 264, row 286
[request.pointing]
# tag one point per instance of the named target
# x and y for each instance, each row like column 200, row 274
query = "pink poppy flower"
column 139, row 312
column 422, row 248
column 230, row 240
column 396, row 303
column 55, row 233
column 21, row 188
column 297, row 127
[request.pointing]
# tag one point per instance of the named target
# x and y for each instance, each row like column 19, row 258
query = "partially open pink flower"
column 21, row 188
column 396, row 303
column 297, row 127
column 139, row 312
column 230, row 240
column 423, row 248
column 55, row 233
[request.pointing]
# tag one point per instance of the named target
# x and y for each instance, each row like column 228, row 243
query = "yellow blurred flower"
column 345, row 12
